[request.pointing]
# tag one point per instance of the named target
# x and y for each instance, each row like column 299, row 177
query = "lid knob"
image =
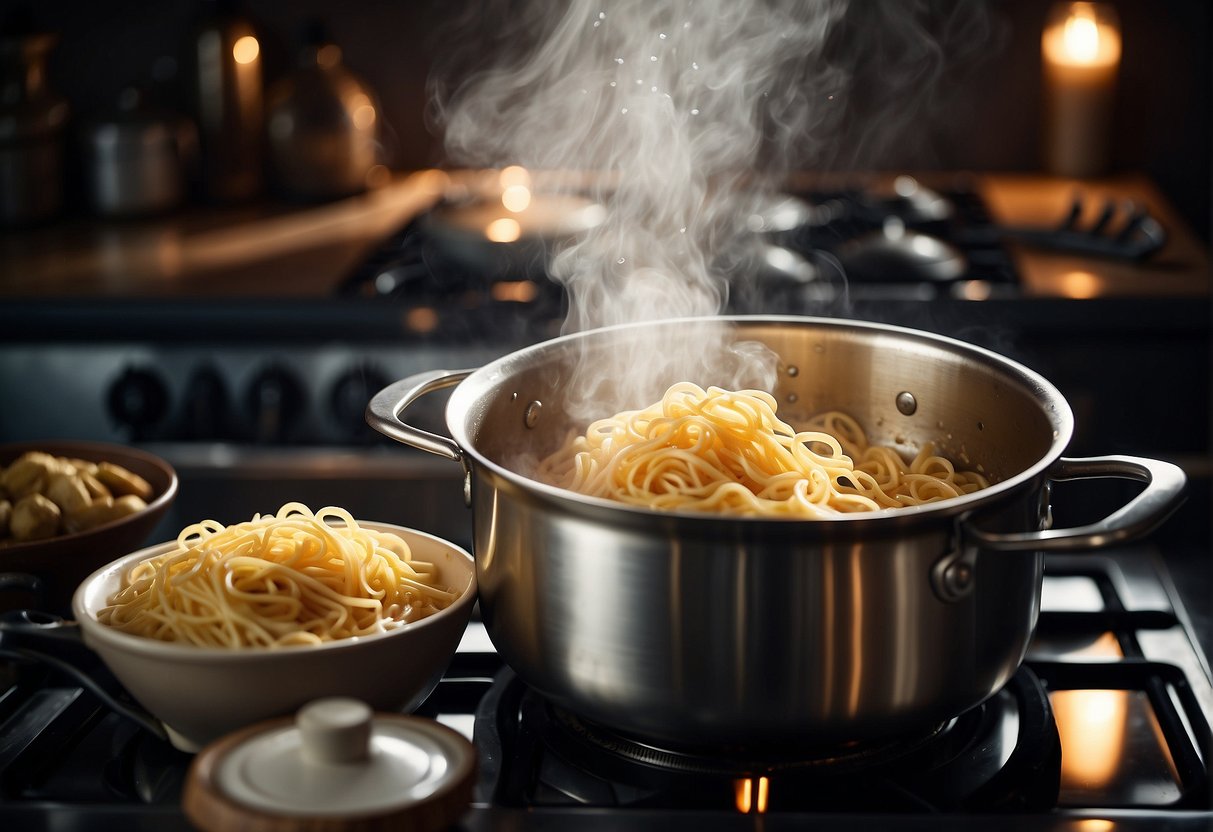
column 335, row 730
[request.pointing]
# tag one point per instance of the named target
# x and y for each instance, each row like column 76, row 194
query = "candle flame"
column 246, row 49
column 1082, row 35
column 1080, row 38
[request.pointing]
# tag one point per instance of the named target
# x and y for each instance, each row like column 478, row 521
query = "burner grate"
column 576, row 734
column 1002, row 755
column 838, row 253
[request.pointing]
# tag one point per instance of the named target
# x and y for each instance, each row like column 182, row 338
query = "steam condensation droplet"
column 652, row 89
column 623, row 110
column 661, row 35
column 694, row 65
column 612, row 83
column 695, row 111
column 597, row 23
column 653, row 58
column 619, row 60
column 602, row 15
column 621, row 260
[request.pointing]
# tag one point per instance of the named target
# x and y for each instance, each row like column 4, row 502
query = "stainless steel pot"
column 695, row 629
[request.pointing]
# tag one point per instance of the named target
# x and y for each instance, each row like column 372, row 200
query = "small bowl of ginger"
column 68, row 507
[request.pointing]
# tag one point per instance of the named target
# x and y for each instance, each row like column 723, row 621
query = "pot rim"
column 466, row 397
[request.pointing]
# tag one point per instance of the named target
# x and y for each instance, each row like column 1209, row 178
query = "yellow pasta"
column 277, row 580
column 727, row 452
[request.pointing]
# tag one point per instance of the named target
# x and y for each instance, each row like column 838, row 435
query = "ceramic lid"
column 335, row 763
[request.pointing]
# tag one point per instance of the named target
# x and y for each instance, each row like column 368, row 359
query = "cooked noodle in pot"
column 727, row 452
column 284, row 579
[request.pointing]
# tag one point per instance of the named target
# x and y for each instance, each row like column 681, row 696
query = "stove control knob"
column 205, row 406
column 276, row 403
column 351, row 393
column 138, row 401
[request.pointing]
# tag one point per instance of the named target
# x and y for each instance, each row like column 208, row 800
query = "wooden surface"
column 1181, row 268
column 258, row 251
column 303, row 251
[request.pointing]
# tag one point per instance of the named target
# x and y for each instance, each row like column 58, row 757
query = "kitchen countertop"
column 1181, row 268
column 277, row 250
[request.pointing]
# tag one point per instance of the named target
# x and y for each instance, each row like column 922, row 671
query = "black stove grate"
column 540, row 755
column 835, row 257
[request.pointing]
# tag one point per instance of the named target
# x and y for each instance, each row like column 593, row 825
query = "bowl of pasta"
column 756, row 531
column 229, row 625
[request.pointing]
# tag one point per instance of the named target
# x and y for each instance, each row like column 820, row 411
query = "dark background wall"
column 982, row 112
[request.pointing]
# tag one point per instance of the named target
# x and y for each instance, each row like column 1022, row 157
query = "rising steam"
column 693, row 111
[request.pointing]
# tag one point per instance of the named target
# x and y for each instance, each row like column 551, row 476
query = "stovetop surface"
column 1106, row 727
column 843, row 245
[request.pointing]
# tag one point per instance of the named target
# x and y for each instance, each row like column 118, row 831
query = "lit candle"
column 1081, row 52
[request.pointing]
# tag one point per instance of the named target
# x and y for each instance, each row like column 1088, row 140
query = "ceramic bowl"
column 60, row 563
column 201, row 693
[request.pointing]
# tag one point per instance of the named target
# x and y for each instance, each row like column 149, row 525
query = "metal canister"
column 137, row 161
column 323, row 125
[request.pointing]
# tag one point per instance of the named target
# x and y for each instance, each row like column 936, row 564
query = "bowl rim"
column 107, row 451
column 179, row 651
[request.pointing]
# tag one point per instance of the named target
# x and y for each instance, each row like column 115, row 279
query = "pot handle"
column 1164, row 487
column 383, row 412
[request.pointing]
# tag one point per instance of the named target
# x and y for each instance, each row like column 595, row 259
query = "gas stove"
column 818, row 249
column 1105, row 727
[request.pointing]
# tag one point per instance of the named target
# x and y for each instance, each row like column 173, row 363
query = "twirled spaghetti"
column 277, row 580
column 727, row 452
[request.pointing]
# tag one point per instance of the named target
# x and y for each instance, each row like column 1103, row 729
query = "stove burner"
column 853, row 756
column 1002, row 755
column 809, row 248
